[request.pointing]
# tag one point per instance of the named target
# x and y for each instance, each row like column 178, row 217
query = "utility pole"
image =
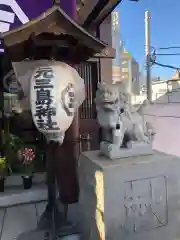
column 148, row 56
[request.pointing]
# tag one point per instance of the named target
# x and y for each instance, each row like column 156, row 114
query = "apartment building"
column 116, row 62
column 124, row 66
column 130, row 72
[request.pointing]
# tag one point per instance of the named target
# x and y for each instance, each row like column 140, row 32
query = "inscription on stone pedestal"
column 145, row 204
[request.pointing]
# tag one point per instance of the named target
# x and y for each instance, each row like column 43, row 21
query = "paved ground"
column 22, row 218
column 18, row 219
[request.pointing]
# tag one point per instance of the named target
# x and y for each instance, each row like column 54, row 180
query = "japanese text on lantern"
column 68, row 99
column 45, row 113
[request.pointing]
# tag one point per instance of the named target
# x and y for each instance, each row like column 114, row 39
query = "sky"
column 165, row 31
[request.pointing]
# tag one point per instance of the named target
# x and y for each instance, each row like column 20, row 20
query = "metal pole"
column 148, row 55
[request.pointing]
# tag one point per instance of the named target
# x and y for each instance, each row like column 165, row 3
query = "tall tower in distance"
column 116, row 37
column 116, row 62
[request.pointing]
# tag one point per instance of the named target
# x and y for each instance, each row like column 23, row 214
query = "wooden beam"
column 105, row 12
column 107, row 52
column 85, row 9
column 55, row 24
column 92, row 14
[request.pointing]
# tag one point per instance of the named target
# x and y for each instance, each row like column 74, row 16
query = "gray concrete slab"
column 17, row 195
column 2, row 215
column 41, row 235
column 40, row 208
column 16, row 180
column 17, row 220
column 130, row 198
column 74, row 213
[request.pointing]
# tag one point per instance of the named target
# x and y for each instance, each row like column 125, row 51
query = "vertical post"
column 63, row 166
column 72, row 134
column 1, row 108
column 147, row 55
column 69, row 6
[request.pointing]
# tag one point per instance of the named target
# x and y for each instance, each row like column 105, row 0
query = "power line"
column 166, row 48
column 154, row 55
column 165, row 65
column 167, row 54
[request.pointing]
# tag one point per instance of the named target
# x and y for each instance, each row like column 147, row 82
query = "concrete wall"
column 166, row 121
column 162, row 92
column 164, row 114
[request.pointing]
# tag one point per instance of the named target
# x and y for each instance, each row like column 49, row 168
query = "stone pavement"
column 20, row 209
column 17, row 219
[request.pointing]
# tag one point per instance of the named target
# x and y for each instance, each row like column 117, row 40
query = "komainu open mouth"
column 110, row 102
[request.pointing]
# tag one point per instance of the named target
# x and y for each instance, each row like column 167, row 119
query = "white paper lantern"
column 25, row 69
column 53, row 99
column 53, row 92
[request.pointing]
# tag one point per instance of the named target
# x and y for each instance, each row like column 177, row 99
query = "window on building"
column 125, row 70
column 124, row 62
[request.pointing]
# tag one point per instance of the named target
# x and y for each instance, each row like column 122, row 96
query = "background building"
column 116, row 62
column 124, row 66
column 130, row 72
column 116, row 38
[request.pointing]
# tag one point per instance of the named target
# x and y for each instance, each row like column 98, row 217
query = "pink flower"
column 27, row 155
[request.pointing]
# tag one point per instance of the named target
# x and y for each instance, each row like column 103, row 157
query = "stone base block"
column 135, row 198
column 42, row 235
column 112, row 151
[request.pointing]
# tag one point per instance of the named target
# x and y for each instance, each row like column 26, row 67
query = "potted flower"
column 27, row 157
column 3, row 172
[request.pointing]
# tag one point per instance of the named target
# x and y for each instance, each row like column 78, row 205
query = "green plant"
column 4, row 166
column 11, row 145
column 14, row 143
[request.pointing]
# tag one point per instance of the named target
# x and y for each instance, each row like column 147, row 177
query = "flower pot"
column 2, row 182
column 27, row 182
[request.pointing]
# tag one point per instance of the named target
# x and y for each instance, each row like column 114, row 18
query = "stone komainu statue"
column 121, row 125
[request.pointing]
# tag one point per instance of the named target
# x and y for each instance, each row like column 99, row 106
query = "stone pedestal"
column 112, row 151
column 130, row 198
